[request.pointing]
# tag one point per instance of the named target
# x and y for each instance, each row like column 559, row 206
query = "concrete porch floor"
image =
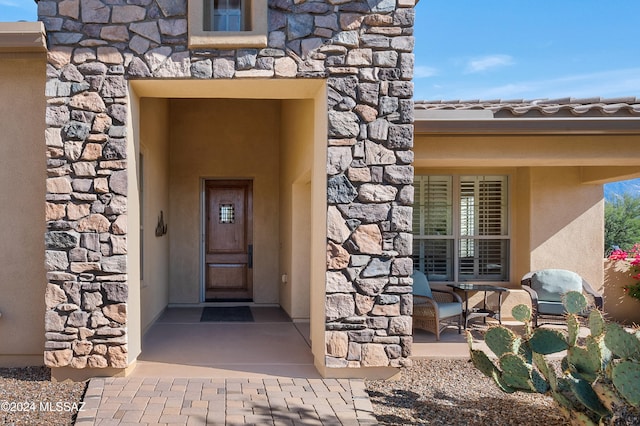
column 451, row 344
column 179, row 345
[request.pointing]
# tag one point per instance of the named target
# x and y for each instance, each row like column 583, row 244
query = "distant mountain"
column 631, row 187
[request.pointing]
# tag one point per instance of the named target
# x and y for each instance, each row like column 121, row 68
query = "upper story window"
column 461, row 227
column 227, row 24
column 227, row 15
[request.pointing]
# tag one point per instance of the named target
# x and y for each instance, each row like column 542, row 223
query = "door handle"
column 250, row 256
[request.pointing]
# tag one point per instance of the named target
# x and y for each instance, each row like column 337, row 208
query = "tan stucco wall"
column 319, row 231
column 296, row 152
column 521, row 223
column 567, row 222
column 134, row 305
column 154, row 145
column 223, row 139
column 618, row 305
column 22, row 222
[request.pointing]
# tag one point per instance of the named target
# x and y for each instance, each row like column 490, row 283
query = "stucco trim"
column 256, row 37
column 16, row 37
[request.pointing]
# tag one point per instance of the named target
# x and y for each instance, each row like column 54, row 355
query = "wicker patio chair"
column 546, row 288
column 432, row 306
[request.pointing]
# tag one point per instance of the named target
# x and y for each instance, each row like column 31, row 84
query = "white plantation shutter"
column 476, row 223
column 433, row 227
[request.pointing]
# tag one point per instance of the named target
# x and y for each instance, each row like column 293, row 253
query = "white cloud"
column 423, row 71
column 613, row 83
column 606, row 84
column 488, row 62
column 9, row 3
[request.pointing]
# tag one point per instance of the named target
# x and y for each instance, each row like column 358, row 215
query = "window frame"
column 454, row 236
column 255, row 36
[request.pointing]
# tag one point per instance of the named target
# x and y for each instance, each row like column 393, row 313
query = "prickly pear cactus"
column 599, row 378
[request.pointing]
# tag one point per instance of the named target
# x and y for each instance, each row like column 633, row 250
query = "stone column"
column 86, row 201
column 369, row 188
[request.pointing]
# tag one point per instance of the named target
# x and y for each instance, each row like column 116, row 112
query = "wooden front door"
column 228, row 240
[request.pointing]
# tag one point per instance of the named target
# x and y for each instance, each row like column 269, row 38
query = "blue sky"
column 510, row 49
column 16, row 10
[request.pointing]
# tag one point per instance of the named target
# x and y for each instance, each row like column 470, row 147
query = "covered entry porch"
column 189, row 136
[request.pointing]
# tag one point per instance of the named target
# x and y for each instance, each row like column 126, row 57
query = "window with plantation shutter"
column 461, row 228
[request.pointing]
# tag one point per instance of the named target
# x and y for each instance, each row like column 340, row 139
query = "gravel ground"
column 29, row 397
column 431, row 392
column 453, row 392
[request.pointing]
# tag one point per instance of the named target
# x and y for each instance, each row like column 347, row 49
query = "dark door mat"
column 235, row 299
column 227, row 314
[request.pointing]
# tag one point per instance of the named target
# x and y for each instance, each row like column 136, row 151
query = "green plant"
column 633, row 259
column 621, row 222
column 598, row 379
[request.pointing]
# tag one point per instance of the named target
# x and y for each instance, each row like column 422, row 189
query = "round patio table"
column 480, row 312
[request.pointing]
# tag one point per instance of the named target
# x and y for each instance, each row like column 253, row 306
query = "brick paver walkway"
column 230, row 402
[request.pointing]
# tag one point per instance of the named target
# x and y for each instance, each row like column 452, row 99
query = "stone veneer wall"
column 364, row 50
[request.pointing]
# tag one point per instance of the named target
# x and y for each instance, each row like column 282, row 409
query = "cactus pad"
column 626, row 379
column 586, row 361
column 521, row 313
column 541, row 364
column 526, row 352
column 596, row 323
column 573, row 328
column 607, row 395
column 539, row 383
column 621, row 343
column 547, row 341
column 501, row 340
column 574, row 302
column 562, row 400
column 516, row 372
column 587, row 397
column 504, row 387
column 469, row 339
column 482, row 362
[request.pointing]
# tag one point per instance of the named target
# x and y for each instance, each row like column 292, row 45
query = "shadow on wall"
column 619, row 306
